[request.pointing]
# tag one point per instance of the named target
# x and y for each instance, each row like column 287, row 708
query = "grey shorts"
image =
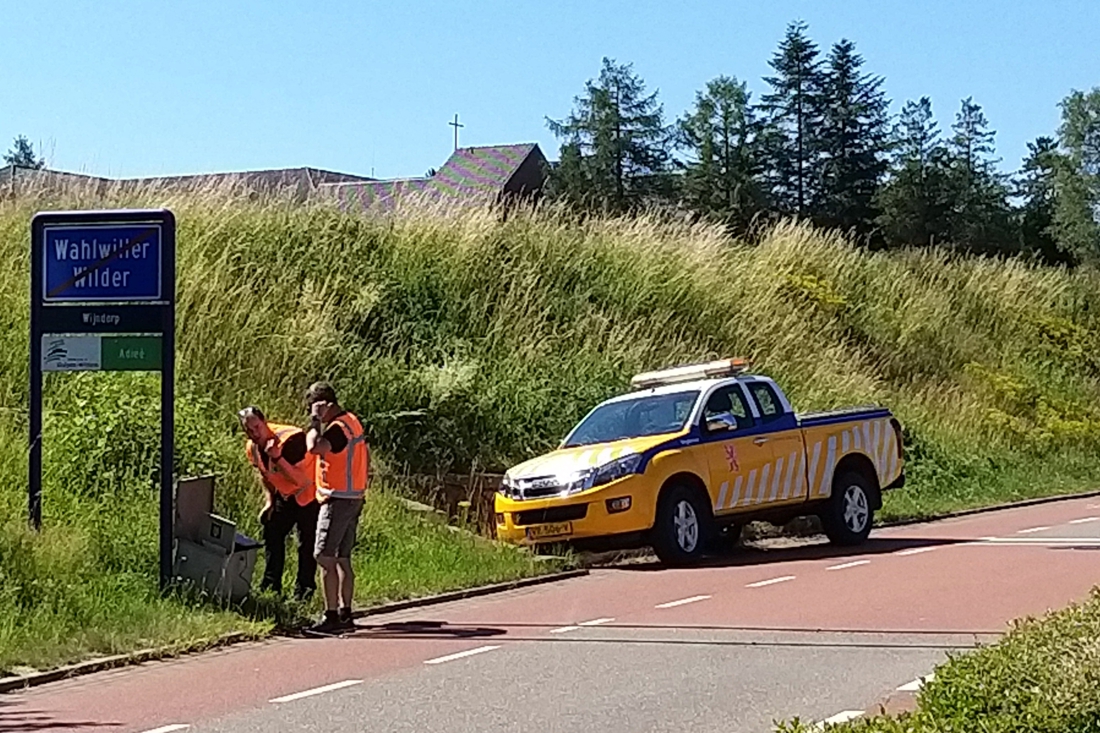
column 336, row 527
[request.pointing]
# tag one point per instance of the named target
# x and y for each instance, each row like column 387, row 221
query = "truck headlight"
column 616, row 469
column 590, row 478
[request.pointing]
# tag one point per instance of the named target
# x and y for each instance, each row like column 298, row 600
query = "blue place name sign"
column 98, row 263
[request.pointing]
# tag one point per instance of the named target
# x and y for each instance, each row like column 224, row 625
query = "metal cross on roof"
column 456, row 125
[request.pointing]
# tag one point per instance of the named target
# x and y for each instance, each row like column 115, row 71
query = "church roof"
column 469, row 175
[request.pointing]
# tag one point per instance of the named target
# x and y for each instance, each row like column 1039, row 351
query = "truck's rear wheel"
column 683, row 526
column 848, row 516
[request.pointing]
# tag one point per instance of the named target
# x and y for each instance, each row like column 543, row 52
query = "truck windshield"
column 649, row 415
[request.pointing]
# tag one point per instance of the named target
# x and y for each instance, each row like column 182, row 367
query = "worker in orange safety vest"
column 286, row 471
column 338, row 440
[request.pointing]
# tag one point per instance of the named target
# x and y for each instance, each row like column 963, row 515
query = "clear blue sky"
column 135, row 88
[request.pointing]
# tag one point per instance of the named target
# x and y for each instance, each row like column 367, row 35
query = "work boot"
column 330, row 624
column 345, row 618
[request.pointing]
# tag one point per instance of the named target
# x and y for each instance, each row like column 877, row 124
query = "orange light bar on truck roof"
column 690, row 373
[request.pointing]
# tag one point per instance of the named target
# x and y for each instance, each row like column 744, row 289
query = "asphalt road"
column 765, row 634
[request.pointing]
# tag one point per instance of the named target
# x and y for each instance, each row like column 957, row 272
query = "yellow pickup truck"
column 692, row 453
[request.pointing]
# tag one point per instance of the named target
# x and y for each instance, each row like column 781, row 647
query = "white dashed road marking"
column 317, row 691
column 596, row 622
column 914, row 551
column 916, row 684
column 682, row 602
column 169, row 728
column 1039, row 541
column 579, row 624
column 842, row 717
column 853, row 564
column 771, row 581
column 1083, row 520
column 1029, row 530
column 461, row 655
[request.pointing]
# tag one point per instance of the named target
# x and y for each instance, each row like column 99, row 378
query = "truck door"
column 736, row 457
column 786, row 448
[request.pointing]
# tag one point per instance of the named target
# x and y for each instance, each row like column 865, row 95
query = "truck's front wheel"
column 848, row 516
column 683, row 526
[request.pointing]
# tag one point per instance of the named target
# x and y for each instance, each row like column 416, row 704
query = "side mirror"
column 721, row 422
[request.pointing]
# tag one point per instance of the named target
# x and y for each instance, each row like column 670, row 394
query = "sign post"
column 103, row 299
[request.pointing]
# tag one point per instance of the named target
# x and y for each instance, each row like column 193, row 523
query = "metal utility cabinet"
column 207, row 550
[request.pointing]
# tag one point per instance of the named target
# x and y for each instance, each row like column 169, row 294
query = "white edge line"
column 563, row 629
column 596, row 622
column 169, row 728
column 316, row 691
column 1029, row 530
column 844, row 566
column 460, row 655
column 770, row 581
column 681, row 602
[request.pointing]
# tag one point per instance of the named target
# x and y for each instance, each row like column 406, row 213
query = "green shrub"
column 1041, row 677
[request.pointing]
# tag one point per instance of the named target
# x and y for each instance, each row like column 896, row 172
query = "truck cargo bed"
column 869, row 412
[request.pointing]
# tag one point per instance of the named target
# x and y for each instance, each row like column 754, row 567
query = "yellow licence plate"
column 556, row 529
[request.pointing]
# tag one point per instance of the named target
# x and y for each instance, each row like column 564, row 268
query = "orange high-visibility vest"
column 344, row 474
column 284, row 484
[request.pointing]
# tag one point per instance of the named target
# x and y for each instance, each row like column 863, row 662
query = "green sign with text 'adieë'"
column 130, row 353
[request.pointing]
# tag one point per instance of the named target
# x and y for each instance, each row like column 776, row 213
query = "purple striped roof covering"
column 470, row 174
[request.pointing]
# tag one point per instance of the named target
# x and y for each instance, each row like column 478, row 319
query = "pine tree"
column 1077, row 182
column 793, row 111
column 720, row 137
column 853, row 140
column 915, row 201
column 569, row 180
column 1035, row 185
column 980, row 218
column 619, row 154
column 22, row 154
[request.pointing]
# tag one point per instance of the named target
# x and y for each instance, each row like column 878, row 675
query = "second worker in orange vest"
column 336, row 437
column 286, row 469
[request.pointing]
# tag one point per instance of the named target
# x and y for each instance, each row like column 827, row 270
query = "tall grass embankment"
column 470, row 341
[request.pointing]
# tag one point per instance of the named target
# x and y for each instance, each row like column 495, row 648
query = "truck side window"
column 728, row 399
column 766, row 401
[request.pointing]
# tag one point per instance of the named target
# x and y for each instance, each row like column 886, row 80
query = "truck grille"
column 551, row 514
column 536, row 493
column 534, row 488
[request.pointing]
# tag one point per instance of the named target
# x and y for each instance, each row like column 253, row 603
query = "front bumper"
column 581, row 516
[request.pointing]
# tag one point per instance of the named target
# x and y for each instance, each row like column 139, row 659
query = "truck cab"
column 693, row 452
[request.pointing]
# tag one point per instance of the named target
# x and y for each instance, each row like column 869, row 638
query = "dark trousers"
column 287, row 514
